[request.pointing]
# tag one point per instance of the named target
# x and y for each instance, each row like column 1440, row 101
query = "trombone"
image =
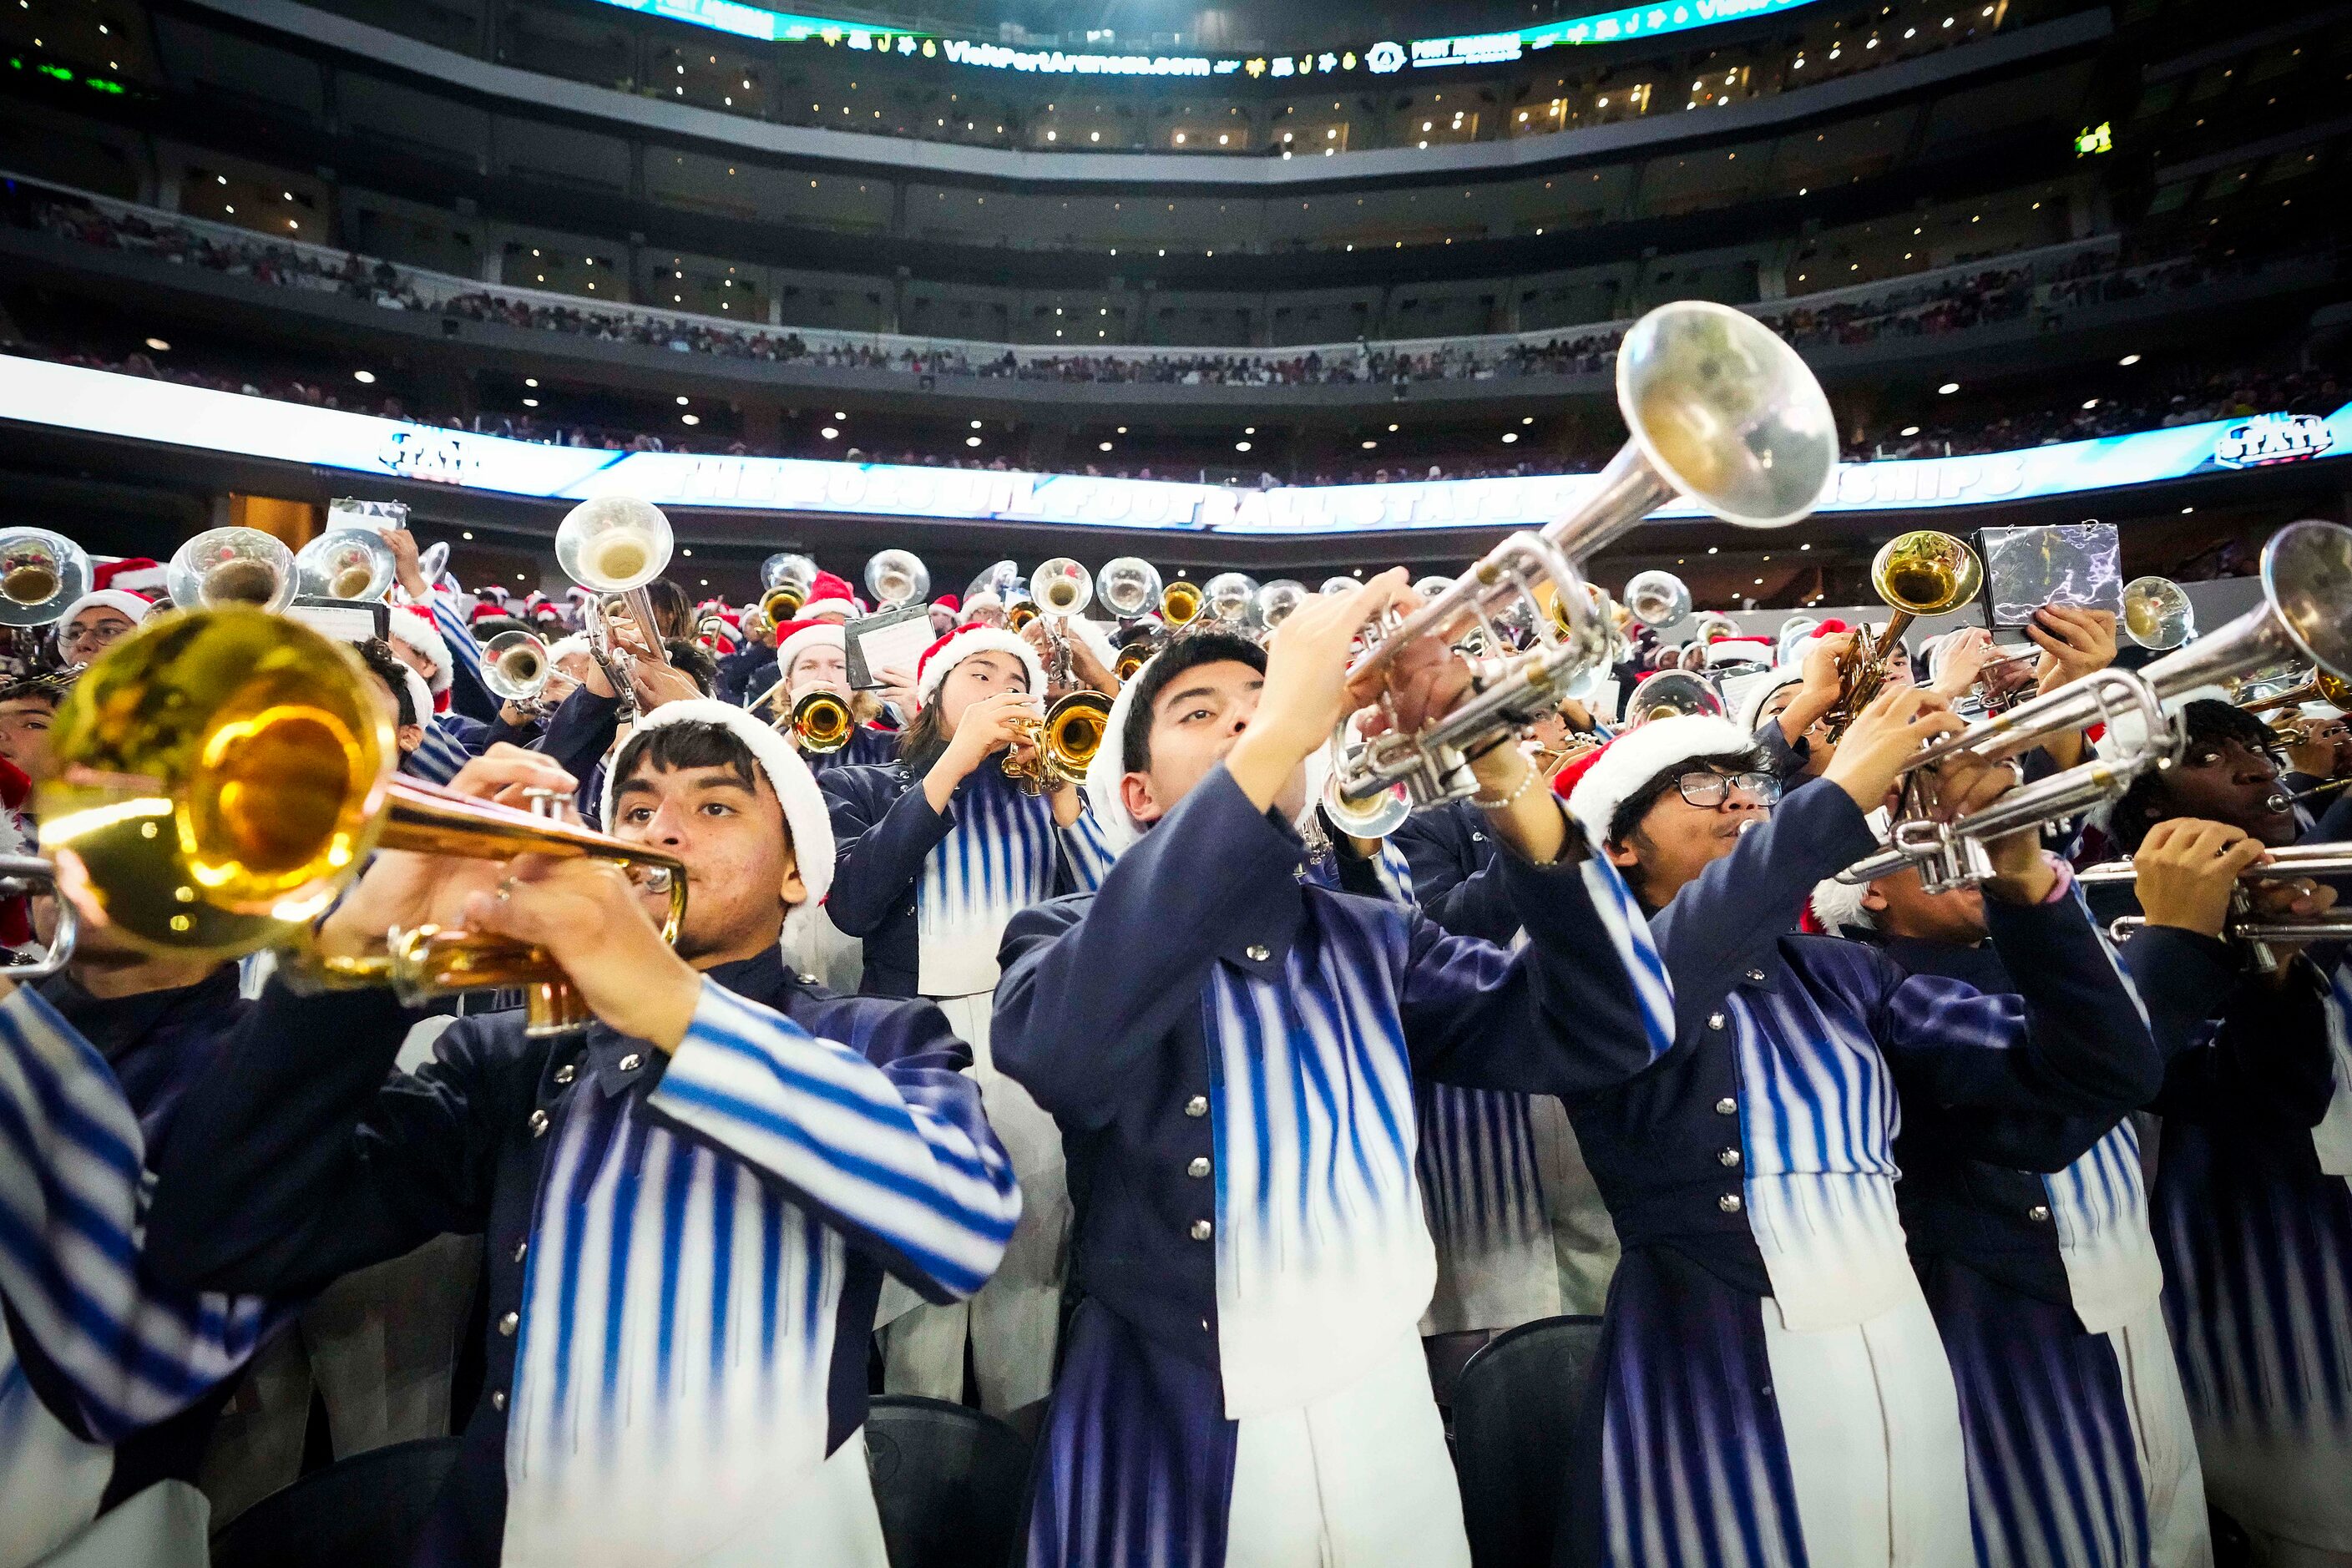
column 1923, row 573
column 1721, row 412
column 41, row 573
column 2258, row 932
column 231, row 566
column 614, row 546
column 2306, row 578
column 223, row 776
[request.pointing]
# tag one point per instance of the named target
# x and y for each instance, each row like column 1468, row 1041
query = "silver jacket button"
column 1198, row 1168
column 1756, row 976
column 1728, row 1157
column 1197, row 1106
column 566, row 1073
column 631, row 1062
column 1715, row 1020
column 508, row 1324
column 1729, row 1203
column 498, row 1399
column 808, row 979
column 1727, row 1106
column 2038, row 1213
column 1203, row 1230
column 539, row 1123
column 1258, row 952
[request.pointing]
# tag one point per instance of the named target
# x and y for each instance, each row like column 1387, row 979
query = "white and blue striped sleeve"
column 1087, row 852
column 125, row 1351
column 455, row 632
column 898, row 1155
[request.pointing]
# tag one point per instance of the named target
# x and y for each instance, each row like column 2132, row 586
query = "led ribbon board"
column 1381, row 58
column 67, row 397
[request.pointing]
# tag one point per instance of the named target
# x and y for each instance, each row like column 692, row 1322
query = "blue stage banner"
column 35, row 393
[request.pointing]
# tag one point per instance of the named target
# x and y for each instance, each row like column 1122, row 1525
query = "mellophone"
column 277, row 779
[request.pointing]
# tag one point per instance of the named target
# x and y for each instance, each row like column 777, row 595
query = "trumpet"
column 1129, row 587
column 1372, row 817
column 1657, row 599
column 1231, row 597
column 897, row 577
column 1061, row 588
column 2258, row 932
column 224, row 774
column 786, row 580
column 1721, row 412
column 516, row 666
column 821, row 722
column 2156, row 614
column 353, row 564
column 614, row 546
column 2306, row 578
column 2317, row 686
column 1922, row 572
column 231, row 566
column 1674, row 694
column 41, row 573
column 1180, row 603
column 1062, row 743
column 1133, row 654
column 1277, row 599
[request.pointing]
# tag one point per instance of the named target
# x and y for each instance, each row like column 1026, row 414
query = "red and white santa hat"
column 413, row 628
column 1597, row 784
column 794, row 638
column 962, row 644
column 420, row 700
column 830, row 596
column 1740, row 650
column 805, row 818
column 129, row 586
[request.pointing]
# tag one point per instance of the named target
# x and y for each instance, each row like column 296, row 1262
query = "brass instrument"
column 224, row 774
column 1429, row 587
column 1062, row 743
column 1180, row 603
column 2156, row 614
column 41, row 573
column 231, row 566
column 2306, row 578
column 614, row 546
column 1370, row 816
column 1231, row 597
column 1922, row 572
column 1277, row 600
column 1020, row 613
column 353, row 564
column 516, row 667
column 1673, row 694
column 1129, row 587
column 782, row 603
column 1133, row 654
column 822, row 723
column 897, row 577
column 2318, row 685
column 2258, row 932
column 1657, row 599
column 1721, row 412
column 786, row 581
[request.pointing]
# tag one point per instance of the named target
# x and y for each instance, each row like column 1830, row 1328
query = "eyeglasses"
column 1707, row 790
column 97, row 636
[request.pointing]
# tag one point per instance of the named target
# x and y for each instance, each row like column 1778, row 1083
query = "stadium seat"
column 949, row 1482
column 360, row 1512
column 1515, row 1415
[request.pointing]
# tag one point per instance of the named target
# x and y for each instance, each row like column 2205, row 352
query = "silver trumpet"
column 1723, row 414
column 2306, row 579
column 2258, row 932
column 1657, row 599
column 1674, row 694
column 231, row 566
column 516, row 666
column 614, row 546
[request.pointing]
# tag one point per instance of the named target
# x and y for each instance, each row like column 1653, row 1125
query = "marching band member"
column 939, row 850
column 2045, row 1285
column 2253, row 1208
column 27, row 708
column 1230, row 1050
column 108, row 613
column 812, row 656
column 690, row 1207
column 1785, row 711
column 1772, row 1386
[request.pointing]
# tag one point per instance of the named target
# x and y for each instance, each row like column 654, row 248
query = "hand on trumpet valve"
column 1307, row 688
column 590, row 918
column 2075, row 641
column 1883, row 737
column 1964, row 654
column 2187, row 873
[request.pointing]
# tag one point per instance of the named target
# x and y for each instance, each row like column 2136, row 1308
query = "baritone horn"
column 2156, row 614
column 224, row 774
column 41, row 573
column 1722, row 413
column 231, row 566
column 353, row 564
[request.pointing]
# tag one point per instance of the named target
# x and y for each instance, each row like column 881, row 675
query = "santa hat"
column 413, row 628
column 1105, row 801
column 489, row 609
column 420, row 700
column 962, row 644
column 948, row 602
column 794, row 638
column 1740, row 650
column 494, row 592
column 1750, row 711
column 1616, row 773
column 1836, row 907
column 128, row 585
column 805, row 819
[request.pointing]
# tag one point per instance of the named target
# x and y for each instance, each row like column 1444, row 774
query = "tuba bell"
column 224, row 774
column 41, row 574
column 231, row 566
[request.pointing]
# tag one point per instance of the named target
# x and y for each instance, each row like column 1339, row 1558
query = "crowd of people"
column 2188, row 397
column 899, row 1035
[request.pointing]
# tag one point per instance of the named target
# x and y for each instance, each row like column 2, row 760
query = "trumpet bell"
column 40, row 574
column 1074, row 728
column 1277, row 599
column 1062, row 587
column 614, row 544
column 782, row 602
column 897, row 577
column 1180, row 603
column 1230, row 596
column 515, row 665
column 345, row 564
column 1674, row 694
column 1132, row 656
column 1129, row 587
column 822, row 723
column 2307, row 578
column 220, row 774
column 1726, row 413
column 2156, row 614
column 224, row 566
column 1657, row 599
column 1925, row 573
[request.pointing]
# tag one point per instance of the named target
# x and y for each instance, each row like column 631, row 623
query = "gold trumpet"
column 2320, row 686
column 1132, row 656
column 782, row 602
column 1180, row 603
column 1063, row 743
column 822, row 723
column 1923, row 573
column 224, row 774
